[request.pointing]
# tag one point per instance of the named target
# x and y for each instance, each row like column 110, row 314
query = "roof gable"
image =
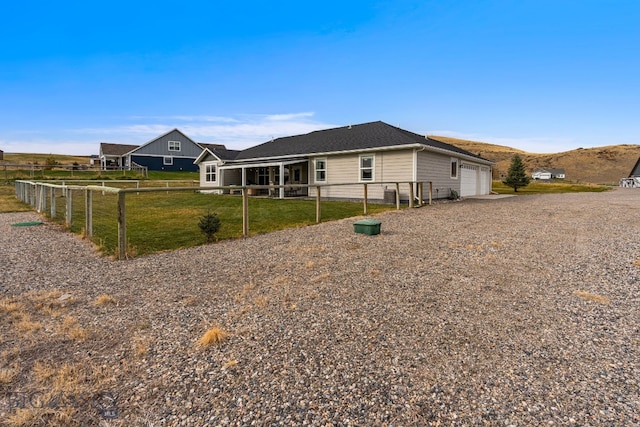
column 160, row 146
column 364, row 136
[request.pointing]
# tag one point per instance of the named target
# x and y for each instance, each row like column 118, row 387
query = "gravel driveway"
column 520, row 311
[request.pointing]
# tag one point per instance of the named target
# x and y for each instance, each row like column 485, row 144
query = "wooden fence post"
column 122, row 226
column 318, row 212
column 53, row 202
column 411, row 194
column 245, row 212
column 88, row 212
column 430, row 192
column 69, row 210
column 420, row 193
column 365, row 199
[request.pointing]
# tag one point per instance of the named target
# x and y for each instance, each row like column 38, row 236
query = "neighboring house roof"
column 364, row 136
column 144, row 148
column 220, row 151
column 553, row 172
column 108, row 149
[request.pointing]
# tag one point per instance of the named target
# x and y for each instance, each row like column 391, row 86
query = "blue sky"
column 538, row 75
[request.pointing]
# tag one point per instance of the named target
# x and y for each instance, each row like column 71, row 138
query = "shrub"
column 209, row 225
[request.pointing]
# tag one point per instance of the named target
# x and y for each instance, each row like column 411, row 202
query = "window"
column 321, row 170
column 366, row 168
column 454, row 168
column 167, row 160
column 174, row 145
column 210, row 173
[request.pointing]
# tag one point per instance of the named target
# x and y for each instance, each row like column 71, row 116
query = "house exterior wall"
column 436, row 168
column 160, row 146
column 388, row 166
column 156, row 163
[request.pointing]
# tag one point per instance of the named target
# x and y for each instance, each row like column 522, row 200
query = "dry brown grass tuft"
column 320, row 278
column 230, row 363
column 72, row 329
column 141, row 347
column 7, row 375
column 8, row 306
column 213, row 336
column 260, row 301
column 637, row 263
column 105, row 299
column 593, row 297
column 25, row 324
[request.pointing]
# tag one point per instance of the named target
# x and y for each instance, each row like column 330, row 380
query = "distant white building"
column 547, row 174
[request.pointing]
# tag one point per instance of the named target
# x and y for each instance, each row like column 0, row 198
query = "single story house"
column 375, row 153
column 113, row 156
column 172, row 151
column 546, row 174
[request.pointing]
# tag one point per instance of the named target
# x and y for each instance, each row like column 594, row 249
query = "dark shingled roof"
column 221, row 151
column 348, row 138
column 116, row 149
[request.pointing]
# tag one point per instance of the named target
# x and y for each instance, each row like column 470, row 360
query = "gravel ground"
column 513, row 312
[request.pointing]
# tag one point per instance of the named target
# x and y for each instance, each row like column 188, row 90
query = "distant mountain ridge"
column 599, row 165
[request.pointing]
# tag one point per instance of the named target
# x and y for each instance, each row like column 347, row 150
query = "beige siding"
column 436, row 168
column 388, row 166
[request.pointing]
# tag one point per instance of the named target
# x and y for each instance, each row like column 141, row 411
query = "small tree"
column 517, row 176
column 209, row 224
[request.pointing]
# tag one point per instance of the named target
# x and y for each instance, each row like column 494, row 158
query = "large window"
column 210, row 173
column 454, row 168
column 167, row 160
column 366, row 168
column 321, row 170
column 174, row 145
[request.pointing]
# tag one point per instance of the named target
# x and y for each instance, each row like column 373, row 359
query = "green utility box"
column 369, row 227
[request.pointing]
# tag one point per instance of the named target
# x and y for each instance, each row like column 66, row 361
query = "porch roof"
column 264, row 163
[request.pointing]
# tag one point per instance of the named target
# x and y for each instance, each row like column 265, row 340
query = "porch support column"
column 281, row 183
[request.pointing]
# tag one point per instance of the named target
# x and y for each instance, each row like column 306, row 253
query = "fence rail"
column 42, row 196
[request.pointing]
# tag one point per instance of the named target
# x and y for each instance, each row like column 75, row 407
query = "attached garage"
column 469, row 180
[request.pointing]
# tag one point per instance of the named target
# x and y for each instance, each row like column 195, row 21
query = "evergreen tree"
column 209, row 225
column 517, row 176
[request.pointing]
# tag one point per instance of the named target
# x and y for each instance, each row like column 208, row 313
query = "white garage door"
column 469, row 180
column 485, row 180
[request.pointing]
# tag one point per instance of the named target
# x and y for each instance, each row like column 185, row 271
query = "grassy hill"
column 600, row 165
column 41, row 159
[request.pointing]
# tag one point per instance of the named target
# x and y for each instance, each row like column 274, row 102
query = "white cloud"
column 236, row 133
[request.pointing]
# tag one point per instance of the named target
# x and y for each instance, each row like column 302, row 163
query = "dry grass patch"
column 213, row 336
column 72, row 329
column 26, row 325
column 637, row 263
column 7, row 375
column 593, row 297
column 105, row 299
column 141, row 347
column 8, row 306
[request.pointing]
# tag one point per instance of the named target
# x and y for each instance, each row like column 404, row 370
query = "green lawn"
column 548, row 188
column 161, row 221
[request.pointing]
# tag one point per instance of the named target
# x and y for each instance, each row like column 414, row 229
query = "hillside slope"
column 599, row 165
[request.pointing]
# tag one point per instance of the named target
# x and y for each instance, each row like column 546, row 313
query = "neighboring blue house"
column 173, row 151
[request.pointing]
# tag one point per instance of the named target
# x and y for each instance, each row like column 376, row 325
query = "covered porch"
column 287, row 175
